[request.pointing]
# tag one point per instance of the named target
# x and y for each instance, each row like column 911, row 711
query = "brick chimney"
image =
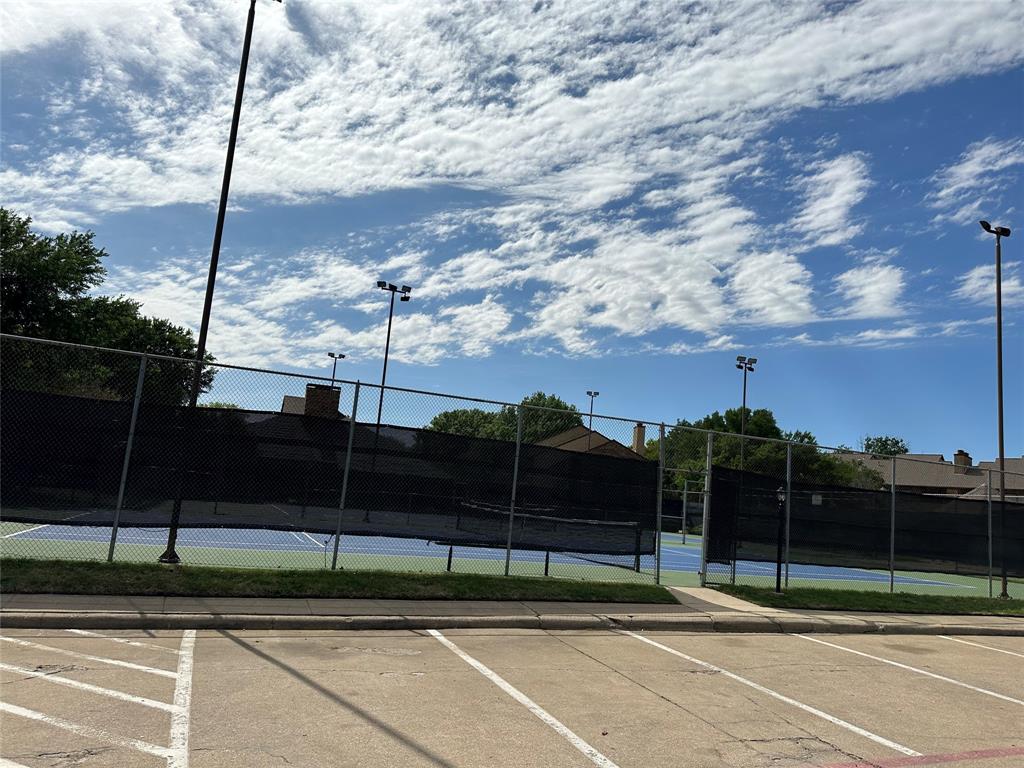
column 639, row 441
column 961, row 461
column 322, row 401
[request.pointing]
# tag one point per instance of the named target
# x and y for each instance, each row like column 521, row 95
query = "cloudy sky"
column 620, row 196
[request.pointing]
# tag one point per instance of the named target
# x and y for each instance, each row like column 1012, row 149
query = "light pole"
column 334, row 368
column 745, row 364
column 403, row 292
column 1000, row 233
column 170, row 555
column 592, row 393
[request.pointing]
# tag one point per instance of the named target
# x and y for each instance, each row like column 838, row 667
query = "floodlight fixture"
column 406, row 289
column 336, row 356
column 985, row 225
column 1003, row 231
column 381, row 284
column 741, row 358
column 745, row 364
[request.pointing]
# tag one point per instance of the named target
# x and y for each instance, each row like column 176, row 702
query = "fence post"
column 988, row 503
column 515, row 483
column 789, row 494
column 661, row 480
column 127, row 457
column 892, row 528
column 707, row 512
column 686, row 500
column 344, row 475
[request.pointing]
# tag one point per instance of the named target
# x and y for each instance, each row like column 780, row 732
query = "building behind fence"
column 280, row 469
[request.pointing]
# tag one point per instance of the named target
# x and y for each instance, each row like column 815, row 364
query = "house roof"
column 575, row 439
column 925, row 471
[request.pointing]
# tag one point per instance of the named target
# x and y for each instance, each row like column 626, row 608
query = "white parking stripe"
column 178, row 753
column 918, row 671
column 125, row 641
column 5, row 763
column 590, row 752
column 85, row 730
column 979, row 645
column 776, row 695
column 70, row 683
column 100, row 659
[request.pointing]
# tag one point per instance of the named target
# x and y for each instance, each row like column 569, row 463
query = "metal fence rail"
column 279, row 469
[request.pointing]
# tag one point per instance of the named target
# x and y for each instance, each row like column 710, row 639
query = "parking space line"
column 100, row 659
column 955, row 757
column 979, row 645
column 5, row 763
column 70, row 683
column 781, row 697
column 123, row 640
column 85, row 730
column 917, row 670
column 178, row 752
column 556, row 725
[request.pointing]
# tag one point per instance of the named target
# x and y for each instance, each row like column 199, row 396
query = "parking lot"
column 508, row 698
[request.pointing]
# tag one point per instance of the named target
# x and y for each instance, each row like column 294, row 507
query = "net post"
column 988, row 504
column 892, row 528
column 143, row 361
column 686, row 500
column 789, row 494
column 661, row 483
column 636, row 547
column 515, row 483
column 344, row 475
column 707, row 512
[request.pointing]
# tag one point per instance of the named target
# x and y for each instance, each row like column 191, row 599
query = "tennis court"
column 680, row 563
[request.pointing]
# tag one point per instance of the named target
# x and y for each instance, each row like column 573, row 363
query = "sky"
column 583, row 195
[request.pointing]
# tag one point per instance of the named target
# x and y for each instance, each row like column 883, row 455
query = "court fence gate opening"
column 99, row 453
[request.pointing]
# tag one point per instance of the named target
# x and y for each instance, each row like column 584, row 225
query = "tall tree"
column 46, row 286
column 885, row 445
column 549, row 415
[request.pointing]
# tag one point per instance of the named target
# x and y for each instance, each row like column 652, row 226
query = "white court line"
column 775, row 695
column 592, row 754
column 321, row 545
column 45, row 525
column 123, row 640
column 100, row 659
column 979, row 645
column 85, row 730
column 67, row 681
column 919, row 671
column 178, row 752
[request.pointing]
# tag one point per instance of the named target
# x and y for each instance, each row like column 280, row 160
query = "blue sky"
column 583, row 195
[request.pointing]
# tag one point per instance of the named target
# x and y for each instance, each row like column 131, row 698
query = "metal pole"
column 661, row 477
column 743, row 418
column 780, row 533
column 384, row 373
column 707, row 512
column 789, row 491
column 1002, row 452
column 590, row 429
column 170, row 555
column 515, row 483
column 892, row 528
column 127, row 457
column 686, row 500
column 988, row 503
column 345, row 473
column 334, row 370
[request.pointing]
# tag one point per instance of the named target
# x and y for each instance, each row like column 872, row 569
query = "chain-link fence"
column 103, row 459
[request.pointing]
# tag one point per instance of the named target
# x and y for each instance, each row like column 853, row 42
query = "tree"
column 219, row 404
column 45, row 285
column 538, row 422
column 884, row 445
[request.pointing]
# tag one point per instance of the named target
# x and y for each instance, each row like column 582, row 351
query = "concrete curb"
column 791, row 624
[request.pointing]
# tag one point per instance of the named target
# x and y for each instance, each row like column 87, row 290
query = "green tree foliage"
column 686, row 449
column 45, row 292
column 219, row 404
column 885, row 445
column 502, row 425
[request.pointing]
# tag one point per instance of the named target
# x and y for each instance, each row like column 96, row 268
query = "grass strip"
column 18, row 575
column 877, row 602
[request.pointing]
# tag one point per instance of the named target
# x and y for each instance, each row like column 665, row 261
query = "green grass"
column 859, row 600
column 19, row 575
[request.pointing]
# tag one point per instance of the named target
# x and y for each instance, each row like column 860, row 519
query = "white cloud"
column 830, row 193
column 970, row 189
column 978, row 285
column 871, row 291
column 773, row 289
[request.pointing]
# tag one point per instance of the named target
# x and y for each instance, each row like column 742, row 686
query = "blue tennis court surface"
column 675, row 557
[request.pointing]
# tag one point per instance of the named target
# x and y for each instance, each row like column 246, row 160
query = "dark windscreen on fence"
column 62, row 459
column 844, row 526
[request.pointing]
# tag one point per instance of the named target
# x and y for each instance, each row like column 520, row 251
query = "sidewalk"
column 699, row 610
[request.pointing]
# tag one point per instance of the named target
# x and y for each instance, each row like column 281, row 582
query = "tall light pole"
column 745, row 364
column 592, row 393
column 403, row 293
column 1000, row 233
column 334, row 368
column 170, row 555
